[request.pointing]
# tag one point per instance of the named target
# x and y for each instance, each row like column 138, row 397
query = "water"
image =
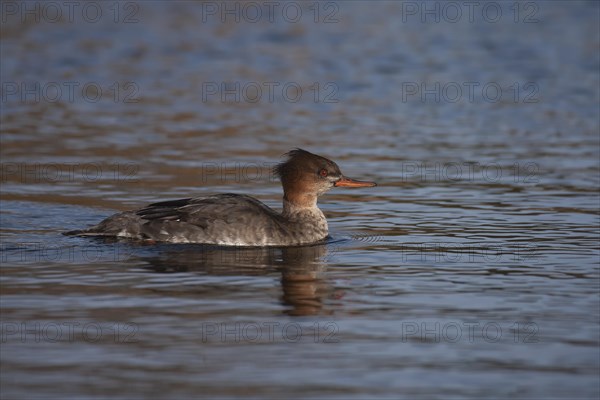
column 471, row 271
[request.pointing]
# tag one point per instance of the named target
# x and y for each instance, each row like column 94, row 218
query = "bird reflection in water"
column 302, row 269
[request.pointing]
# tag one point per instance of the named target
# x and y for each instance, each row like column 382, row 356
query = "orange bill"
column 347, row 182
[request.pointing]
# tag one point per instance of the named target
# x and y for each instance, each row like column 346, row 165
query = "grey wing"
column 221, row 219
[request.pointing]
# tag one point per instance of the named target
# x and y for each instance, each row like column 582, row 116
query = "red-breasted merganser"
column 239, row 220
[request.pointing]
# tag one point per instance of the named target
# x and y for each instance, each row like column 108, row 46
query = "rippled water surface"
column 470, row 271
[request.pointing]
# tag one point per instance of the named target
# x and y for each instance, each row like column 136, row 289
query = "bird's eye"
column 323, row 172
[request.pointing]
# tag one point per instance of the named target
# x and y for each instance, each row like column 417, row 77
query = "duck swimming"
column 235, row 219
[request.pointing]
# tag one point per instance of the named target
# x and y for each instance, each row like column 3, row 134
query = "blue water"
column 470, row 271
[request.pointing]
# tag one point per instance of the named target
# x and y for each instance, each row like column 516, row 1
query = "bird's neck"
column 303, row 215
column 299, row 203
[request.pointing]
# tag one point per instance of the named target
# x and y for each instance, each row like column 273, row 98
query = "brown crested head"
column 310, row 174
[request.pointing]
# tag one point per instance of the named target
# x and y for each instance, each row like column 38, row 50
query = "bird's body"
column 239, row 220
